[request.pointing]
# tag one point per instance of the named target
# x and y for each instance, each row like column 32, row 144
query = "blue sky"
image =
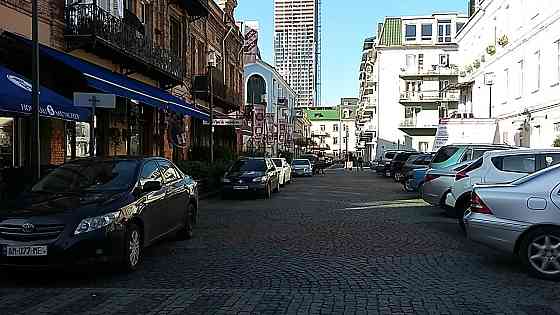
column 345, row 24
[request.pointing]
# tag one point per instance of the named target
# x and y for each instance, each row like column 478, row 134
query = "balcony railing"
column 434, row 70
column 429, row 96
column 413, row 123
column 90, row 24
column 224, row 96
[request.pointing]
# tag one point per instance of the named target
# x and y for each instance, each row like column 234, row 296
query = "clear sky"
column 345, row 24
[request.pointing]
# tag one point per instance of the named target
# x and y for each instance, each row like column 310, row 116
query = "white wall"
column 533, row 30
column 340, row 135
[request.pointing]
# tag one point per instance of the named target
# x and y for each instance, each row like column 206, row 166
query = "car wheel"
column 133, row 248
column 187, row 232
column 540, row 252
column 396, row 177
column 267, row 192
column 277, row 189
column 461, row 210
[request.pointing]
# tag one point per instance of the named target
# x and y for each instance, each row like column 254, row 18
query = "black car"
column 251, row 175
column 98, row 210
column 398, row 163
column 414, row 162
column 384, row 164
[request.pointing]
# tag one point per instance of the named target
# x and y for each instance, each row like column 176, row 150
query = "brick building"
column 151, row 54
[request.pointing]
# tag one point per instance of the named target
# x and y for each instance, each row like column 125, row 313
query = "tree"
column 556, row 142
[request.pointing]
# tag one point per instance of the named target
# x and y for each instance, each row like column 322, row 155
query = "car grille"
column 16, row 232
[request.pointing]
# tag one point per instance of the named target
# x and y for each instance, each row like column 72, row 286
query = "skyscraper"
column 297, row 47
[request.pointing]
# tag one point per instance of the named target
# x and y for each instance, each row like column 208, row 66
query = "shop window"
column 6, row 142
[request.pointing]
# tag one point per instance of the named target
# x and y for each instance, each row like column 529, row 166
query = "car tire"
column 277, row 189
column 133, row 248
column 187, row 232
column 461, row 210
column 535, row 244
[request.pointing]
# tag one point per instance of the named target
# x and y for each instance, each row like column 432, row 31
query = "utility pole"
column 211, row 65
column 35, row 135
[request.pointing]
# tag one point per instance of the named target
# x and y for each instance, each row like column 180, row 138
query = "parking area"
column 346, row 242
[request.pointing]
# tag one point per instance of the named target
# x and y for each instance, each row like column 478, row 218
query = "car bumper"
column 244, row 188
column 301, row 173
column 495, row 232
column 103, row 246
column 431, row 196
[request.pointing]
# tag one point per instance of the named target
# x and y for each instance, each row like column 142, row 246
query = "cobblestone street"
column 350, row 243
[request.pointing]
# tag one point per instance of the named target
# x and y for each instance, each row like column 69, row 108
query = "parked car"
column 459, row 153
column 313, row 158
column 284, row 170
column 438, row 183
column 419, row 160
column 302, row 167
column 100, row 210
column 397, row 163
column 252, row 175
column 522, row 218
column 414, row 179
column 384, row 164
column 496, row 167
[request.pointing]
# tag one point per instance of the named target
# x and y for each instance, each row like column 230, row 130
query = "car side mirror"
column 152, row 185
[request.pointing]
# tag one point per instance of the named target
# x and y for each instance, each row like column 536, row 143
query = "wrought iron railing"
column 90, row 20
column 417, row 96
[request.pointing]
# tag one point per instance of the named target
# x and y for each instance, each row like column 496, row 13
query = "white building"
column 297, row 47
column 333, row 130
column 366, row 117
column 516, row 45
column 416, row 59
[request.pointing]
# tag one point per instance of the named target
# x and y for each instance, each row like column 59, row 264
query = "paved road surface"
column 348, row 243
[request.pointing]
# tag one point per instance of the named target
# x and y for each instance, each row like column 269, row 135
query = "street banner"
column 228, row 122
column 259, row 127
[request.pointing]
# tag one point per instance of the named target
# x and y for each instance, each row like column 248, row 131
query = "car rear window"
column 277, row 162
column 476, row 164
column 390, row 155
column 248, row 165
column 515, row 163
column 445, row 154
column 402, row 157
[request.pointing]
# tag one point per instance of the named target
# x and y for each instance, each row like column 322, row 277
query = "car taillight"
column 478, row 206
column 430, row 177
column 460, row 175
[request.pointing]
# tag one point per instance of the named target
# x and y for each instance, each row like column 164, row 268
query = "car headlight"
column 259, row 179
column 95, row 223
column 226, row 180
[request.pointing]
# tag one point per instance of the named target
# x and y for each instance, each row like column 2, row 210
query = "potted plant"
column 503, row 40
column 491, row 50
column 469, row 68
column 476, row 63
column 556, row 142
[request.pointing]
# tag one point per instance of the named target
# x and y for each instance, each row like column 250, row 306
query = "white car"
column 284, row 170
column 497, row 167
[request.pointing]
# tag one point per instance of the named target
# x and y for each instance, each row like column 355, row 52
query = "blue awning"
column 15, row 97
column 109, row 82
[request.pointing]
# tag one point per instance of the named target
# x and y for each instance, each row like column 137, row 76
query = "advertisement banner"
column 259, row 127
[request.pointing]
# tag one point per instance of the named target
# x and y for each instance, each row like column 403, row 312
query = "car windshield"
column 89, row 176
column 257, row 165
column 277, row 162
column 300, row 162
column 390, row 155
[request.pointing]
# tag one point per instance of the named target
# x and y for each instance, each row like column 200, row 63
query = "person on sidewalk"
column 361, row 163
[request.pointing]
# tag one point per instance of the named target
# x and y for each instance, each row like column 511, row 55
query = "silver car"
column 438, row 182
column 522, row 218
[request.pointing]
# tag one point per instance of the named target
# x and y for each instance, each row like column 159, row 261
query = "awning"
column 109, row 82
column 457, row 86
column 15, row 97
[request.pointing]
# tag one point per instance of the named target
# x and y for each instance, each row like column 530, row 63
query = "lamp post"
column 211, row 66
column 35, row 159
column 489, row 80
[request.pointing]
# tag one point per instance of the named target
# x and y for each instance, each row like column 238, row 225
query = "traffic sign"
column 99, row 100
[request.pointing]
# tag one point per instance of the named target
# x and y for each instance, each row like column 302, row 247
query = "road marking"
column 389, row 204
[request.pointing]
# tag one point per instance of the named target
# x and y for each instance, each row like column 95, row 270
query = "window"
column 520, row 78
column 548, row 160
column 323, row 140
column 460, row 26
column 444, row 60
column 410, row 32
column 345, row 127
column 322, row 127
column 557, row 127
column 426, row 31
column 170, row 174
column 515, row 163
column 150, row 172
column 335, row 140
column 335, row 127
column 556, row 62
column 537, row 71
column 344, row 140
column 410, row 61
column 444, row 154
column 444, row 31
column 175, row 36
column 423, row 147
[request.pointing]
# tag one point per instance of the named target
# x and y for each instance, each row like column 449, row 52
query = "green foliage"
column 556, row 142
column 208, row 175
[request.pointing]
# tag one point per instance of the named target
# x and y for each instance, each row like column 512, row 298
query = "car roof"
column 478, row 145
column 117, row 158
column 519, row 151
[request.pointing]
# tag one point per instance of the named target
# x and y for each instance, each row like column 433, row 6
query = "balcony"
column 224, row 97
column 429, row 96
column 435, row 70
column 198, row 8
column 123, row 41
column 413, row 127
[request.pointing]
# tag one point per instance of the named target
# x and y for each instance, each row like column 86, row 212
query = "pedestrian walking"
column 361, row 163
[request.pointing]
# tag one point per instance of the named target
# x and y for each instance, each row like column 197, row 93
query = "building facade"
column 510, row 52
column 151, row 55
column 366, row 116
column 297, row 47
column 333, row 129
column 417, row 58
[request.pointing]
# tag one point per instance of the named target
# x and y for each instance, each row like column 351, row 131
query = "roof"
column 392, row 32
column 322, row 114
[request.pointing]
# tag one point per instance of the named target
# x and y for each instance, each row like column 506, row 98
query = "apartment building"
column 297, row 47
column 510, row 69
column 366, row 116
column 417, row 58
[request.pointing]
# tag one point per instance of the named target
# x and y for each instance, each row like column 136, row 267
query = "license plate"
column 240, row 187
column 26, row 251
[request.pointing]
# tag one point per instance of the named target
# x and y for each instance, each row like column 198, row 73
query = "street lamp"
column 35, row 160
column 211, row 65
column 489, row 80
